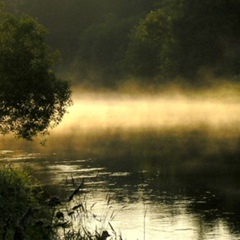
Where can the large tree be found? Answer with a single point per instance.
(189, 36)
(32, 98)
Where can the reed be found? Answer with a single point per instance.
(20, 205)
(29, 213)
(75, 220)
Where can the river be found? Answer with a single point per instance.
(170, 164)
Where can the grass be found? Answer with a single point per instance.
(21, 206)
(28, 213)
(77, 220)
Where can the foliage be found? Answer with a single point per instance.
(20, 205)
(104, 41)
(102, 47)
(92, 35)
(148, 44)
(68, 20)
(76, 220)
(27, 211)
(193, 35)
(205, 34)
(32, 98)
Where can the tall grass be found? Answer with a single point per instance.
(28, 213)
(21, 206)
(75, 219)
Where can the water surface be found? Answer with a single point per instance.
(170, 164)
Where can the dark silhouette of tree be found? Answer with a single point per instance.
(104, 42)
(32, 98)
(191, 37)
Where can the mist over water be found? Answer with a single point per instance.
(171, 156)
(218, 108)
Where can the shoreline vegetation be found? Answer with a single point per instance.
(105, 42)
(28, 212)
(126, 46)
(194, 161)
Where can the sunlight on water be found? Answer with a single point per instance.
(161, 204)
(162, 222)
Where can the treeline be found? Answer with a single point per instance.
(106, 41)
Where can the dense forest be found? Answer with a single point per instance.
(105, 42)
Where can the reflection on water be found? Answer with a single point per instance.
(172, 173)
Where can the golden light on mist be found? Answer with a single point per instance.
(101, 111)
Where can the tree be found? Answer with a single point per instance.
(192, 35)
(102, 47)
(206, 34)
(149, 45)
(32, 98)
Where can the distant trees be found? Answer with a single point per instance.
(32, 98)
(92, 35)
(103, 45)
(150, 44)
(102, 48)
(188, 36)
(152, 40)
(207, 33)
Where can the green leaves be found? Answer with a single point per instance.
(32, 98)
(191, 36)
(151, 44)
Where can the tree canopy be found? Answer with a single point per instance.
(190, 35)
(32, 98)
(104, 42)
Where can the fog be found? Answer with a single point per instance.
(184, 142)
(97, 118)
(215, 108)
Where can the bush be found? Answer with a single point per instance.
(21, 205)
(27, 212)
